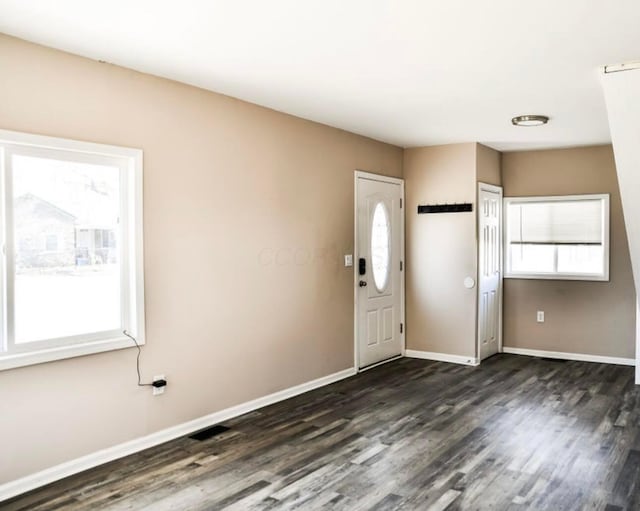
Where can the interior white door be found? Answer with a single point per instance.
(378, 269)
(489, 269)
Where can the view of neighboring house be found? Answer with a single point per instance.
(48, 236)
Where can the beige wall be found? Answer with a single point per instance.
(488, 164)
(247, 215)
(441, 250)
(596, 318)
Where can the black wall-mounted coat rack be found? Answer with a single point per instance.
(445, 208)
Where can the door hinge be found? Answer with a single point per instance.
(400, 203)
(400, 265)
(401, 328)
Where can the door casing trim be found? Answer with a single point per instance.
(360, 174)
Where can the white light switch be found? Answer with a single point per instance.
(540, 316)
(348, 260)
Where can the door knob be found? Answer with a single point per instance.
(362, 283)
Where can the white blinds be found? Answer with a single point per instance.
(557, 222)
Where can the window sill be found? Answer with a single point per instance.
(13, 360)
(534, 276)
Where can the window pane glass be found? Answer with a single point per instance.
(580, 259)
(380, 249)
(67, 267)
(532, 258)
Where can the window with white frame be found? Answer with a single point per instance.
(564, 237)
(71, 227)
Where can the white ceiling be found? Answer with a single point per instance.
(409, 72)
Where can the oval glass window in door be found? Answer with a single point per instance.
(380, 245)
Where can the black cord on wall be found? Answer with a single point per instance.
(138, 360)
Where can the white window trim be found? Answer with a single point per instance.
(132, 252)
(558, 276)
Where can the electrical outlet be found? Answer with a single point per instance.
(159, 390)
(540, 317)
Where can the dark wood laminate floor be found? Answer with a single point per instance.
(515, 433)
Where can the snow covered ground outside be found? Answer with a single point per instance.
(67, 302)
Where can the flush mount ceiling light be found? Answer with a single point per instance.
(530, 120)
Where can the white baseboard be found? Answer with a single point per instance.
(49, 475)
(442, 357)
(581, 357)
(638, 341)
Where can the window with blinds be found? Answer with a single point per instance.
(557, 237)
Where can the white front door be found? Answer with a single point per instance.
(489, 269)
(378, 268)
